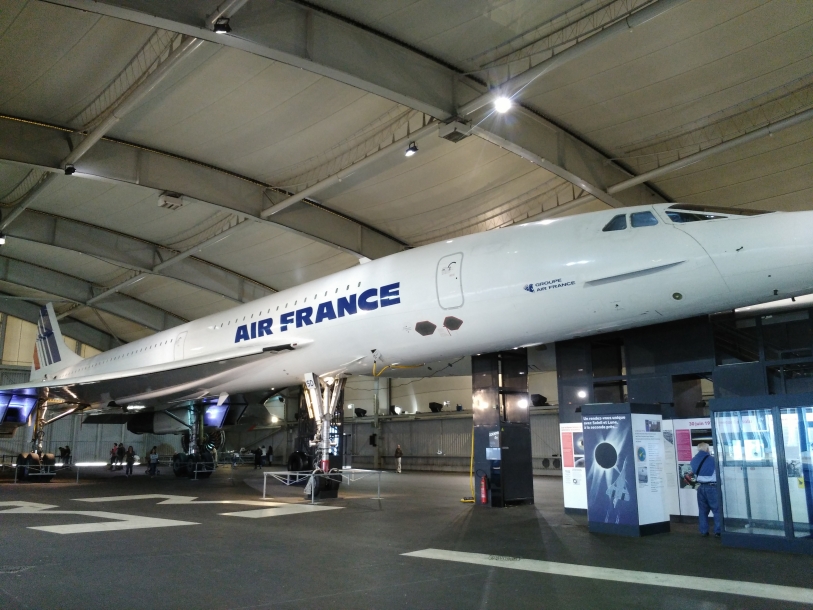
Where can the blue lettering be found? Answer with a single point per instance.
(242, 334)
(390, 294)
(303, 316)
(286, 319)
(325, 312)
(364, 299)
(253, 330)
(264, 327)
(346, 305)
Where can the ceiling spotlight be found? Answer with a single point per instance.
(2, 240)
(69, 169)
(274, 419)
(221, 26)
(411, 150)
(502, 104)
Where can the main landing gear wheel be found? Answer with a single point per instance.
(32, 467)
(201, 465)
(299, 461)
(180, 465)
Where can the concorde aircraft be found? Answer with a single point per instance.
(537, 282)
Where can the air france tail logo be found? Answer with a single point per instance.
(529, 287)
(46, 342)
(368, 300)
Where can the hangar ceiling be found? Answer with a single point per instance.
(285, 138)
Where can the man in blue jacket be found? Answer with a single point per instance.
(707, 499)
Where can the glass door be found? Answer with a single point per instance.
(797, 429)
(750, 483)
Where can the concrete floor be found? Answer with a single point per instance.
(348, 558)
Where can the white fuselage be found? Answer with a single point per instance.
(540, 282)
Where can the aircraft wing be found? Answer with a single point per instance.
(151, 386)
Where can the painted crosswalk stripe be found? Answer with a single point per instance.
(714, 585)
(278, 511)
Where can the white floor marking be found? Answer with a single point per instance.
(282, 509)
(270, 509)
(168, 499)
(714, 585)
(119, 521)
(25, 507)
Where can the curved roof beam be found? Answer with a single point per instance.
(45, 146)
(84, 333)
(298, 34)
(136, 254)
(81, 291)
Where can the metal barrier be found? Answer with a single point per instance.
(348, 474)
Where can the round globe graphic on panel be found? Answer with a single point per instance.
(606, 455)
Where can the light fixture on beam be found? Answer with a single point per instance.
(2, 240)
(221, 26)
(411, 149)
(69, 169)
(503, 104)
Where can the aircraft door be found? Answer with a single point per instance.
(449, 281)
(179, 342)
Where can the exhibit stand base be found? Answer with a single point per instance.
(633, 531)
(575, 511)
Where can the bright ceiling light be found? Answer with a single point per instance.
(2, 240)
(502, 104)
(274, 419)
(581, 394)
(411, 149)
(221, 26)
(135, 407)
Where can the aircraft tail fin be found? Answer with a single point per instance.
(51, 354)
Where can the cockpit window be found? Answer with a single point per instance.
(711, 209)
(643, 219)
(687, 217)
(618, 223)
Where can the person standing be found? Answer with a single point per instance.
(129, 457)
(114, 453)
(258, 458)
(121, 452)
(214, 457)
(153, 461)
(707, 499)
(398, 455)
(269, 455)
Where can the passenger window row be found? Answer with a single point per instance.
(130, 353)
(305, 300)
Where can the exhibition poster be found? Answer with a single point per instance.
(572, 442)
(688, 434)
(647, 439)
(611, 489)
